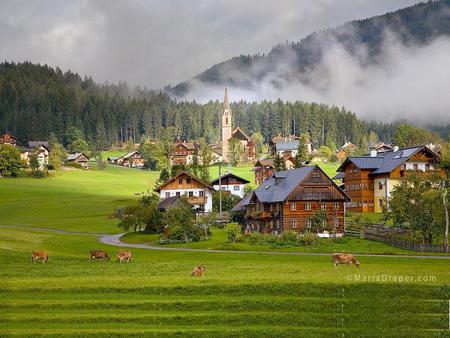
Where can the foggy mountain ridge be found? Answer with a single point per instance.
(389, 67)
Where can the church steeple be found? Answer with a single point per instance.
(226, 104)
(226, 125)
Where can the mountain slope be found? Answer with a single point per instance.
(363, 40)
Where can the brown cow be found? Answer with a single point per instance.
(39, 254)
(341, 258)
(99, 254)
(123, 255)
(198, 271)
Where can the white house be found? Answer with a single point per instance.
(232, 183)
(198, 193)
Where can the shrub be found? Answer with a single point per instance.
(308, 239)
(255, 237)
(271, 238)
(38, 174)
(289, 237)
(233, 231)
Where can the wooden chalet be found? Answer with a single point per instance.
(347, 149)
(232, 183)
(369, 179)
(8, 138)
(184, 153)
(198, 193)
(263, 170)
(287, 200)
(79, 158)
(131, 160)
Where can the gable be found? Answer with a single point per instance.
(184, 181)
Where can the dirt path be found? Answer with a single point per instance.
(114, 239)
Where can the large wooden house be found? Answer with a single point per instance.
(8, 138)
(183, 153)
(232, 183)
(369, 179)
(198, 193)
(288, 199)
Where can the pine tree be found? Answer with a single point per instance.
(278, 163)
(302, 151)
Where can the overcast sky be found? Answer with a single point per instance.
(154, 43)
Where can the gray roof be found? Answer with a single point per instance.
(278, 187)
(385, 162)
(287, 145)
(243, 202)
(338, 176)
(34, 144)
(72, 157)
(242, 180)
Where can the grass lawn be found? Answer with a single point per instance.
(244, 295)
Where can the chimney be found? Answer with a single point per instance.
(395, 148)
(373, 153)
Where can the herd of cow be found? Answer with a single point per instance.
(123, 255)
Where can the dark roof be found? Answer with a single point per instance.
(339, 176)
(10, 134)
(187, 174)
(243, 202)
(240, 135)
(384, 162)
(34, 144)
(169, 202)
(243, 180)
(264, 163)
(287, 145)
(112, 158)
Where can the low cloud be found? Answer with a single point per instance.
(407, 83)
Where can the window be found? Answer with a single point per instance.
(293, 206)
(380, 202)
(335, 205)
(380, 185)
(336, 222)
(201, 193)
(188, 180)
(180, 181)
(167, 194)
(191, 193)
(415, 166)
(308, 223)
(307, 206)
(178, 194)
(236, 188)
(323, 206)
(293, 223)
(226, 121)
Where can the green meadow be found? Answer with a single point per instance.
(250, 294)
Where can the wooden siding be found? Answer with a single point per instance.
(359, 187)
(184, 185)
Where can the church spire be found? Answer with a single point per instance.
(226, 104)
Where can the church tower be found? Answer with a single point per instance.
(226, 125)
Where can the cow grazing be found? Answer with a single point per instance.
(39, 254)
(99, 254)
(198, 271)
(340, 258)
(123, 255)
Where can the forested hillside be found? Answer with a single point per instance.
(37, 100)
(413, 26)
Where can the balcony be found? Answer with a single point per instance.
(199, 200)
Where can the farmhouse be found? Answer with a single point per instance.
(288, 199)
(232, 183)
(42, 149)
(79, 158)
(133, 160)
(347, 149)
(198, 193)
(8, 138)
(184, 153)
(369, 179)
(286, 146)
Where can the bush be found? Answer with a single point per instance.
(255, 237)
(271, 238)
(289, 237)
(38, 174)
(233, 231)
(74, 165)
(308, 239)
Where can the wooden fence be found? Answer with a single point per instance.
(388, 235)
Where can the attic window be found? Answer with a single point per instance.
(267, 187)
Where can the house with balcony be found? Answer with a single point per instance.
(288, 199)
(370, 179)
(198, 193)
